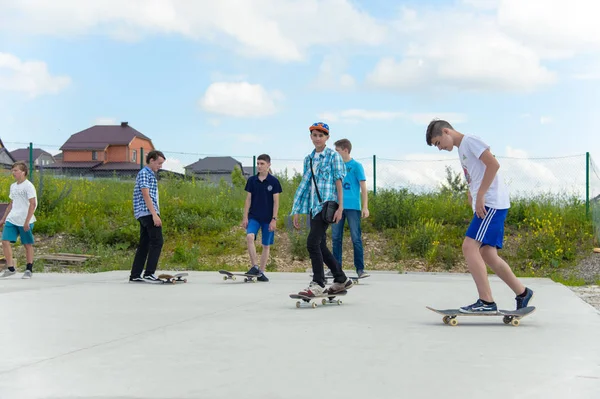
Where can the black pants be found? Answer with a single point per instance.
(316, 243)
(149, 248)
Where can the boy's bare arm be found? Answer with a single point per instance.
(491, 168)
(246, 210)
(32, 205)
(364, 196)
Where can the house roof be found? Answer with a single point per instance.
(214, 165)
(22, 154)
(72, 165)
(118, 166)
(99, 137)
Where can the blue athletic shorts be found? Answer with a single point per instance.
(490, 229)
(268, 237)
(11, 232)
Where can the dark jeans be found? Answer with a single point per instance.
(316, 243)
(149, 248)
(337, 234)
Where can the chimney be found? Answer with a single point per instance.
(124, 124)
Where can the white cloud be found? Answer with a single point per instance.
(29, 77)
(282, 30)
(544, 120)
(332, 74)
(105, 121)
(239, 99)
(555, 29)
(357, 115)
(248, 138)
(174, 165)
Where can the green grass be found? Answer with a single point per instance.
(544, 235)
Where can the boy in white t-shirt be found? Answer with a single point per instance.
(489, 199)
(19, 218)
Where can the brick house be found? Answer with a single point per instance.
(104, 150)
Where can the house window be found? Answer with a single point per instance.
(94, 156)
(134, 156)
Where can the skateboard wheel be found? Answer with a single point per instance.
(185, 280)
(506, 319)
(225, 278)
(446, 319)
(515, 322)
(339, 302)
(233, 278)
(324, 301)
(314, 305)
(298, 304)
(453, 322)
(245, 280)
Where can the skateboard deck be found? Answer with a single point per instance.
(324, 299)
(248, 278)
(512, 317)
(173, 278)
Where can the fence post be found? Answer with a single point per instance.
(141, 157)
(31, 170)
(587, 183)
(253, 164)
(374, 175)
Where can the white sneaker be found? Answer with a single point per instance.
(151, 278)
(313, 290)
(28, 274)
(7, 273)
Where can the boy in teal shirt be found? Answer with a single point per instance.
(355, 207)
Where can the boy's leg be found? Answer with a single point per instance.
(477, 268)
(501, 268)
(9, 235)
(264, 257)
(27, 240)
(251, 232)
(141, 253)
(313, 245)
(155, 245)
(356, 235)
(337, 236)
(8, 255)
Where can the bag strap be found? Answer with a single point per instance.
(314, 180)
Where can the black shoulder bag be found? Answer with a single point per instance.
(329, 207)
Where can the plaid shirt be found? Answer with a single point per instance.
(330, 168)
(145, 179)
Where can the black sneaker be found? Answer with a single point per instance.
(479, 307)
(254, 271)
(522, 302)
(151, 278)
(262, 277)
(136, 280)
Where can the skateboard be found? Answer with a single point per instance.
(512, 317)
(173, 278)
(354, 279)
(325, 299)
(248, 278)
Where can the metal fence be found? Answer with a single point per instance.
(570, 176)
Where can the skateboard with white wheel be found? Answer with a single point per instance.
(512, 317)
(173, 278)
(324, 299)
(248, 278)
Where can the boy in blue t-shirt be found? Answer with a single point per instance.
(260, 212)
(356, 206)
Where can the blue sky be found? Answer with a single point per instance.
(246, 77)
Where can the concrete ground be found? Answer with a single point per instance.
(97, 336)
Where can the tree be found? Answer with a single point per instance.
(454, 184)
(237, 177)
